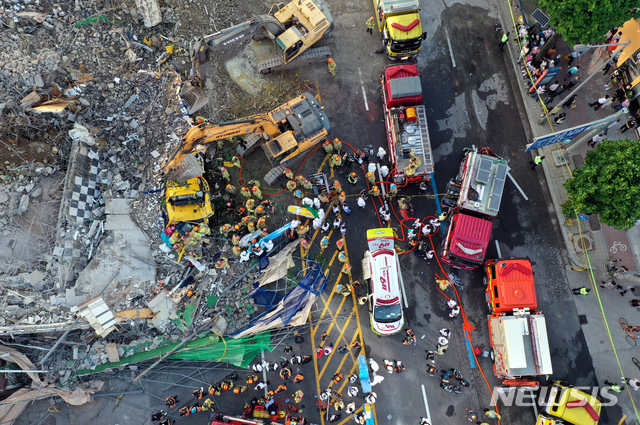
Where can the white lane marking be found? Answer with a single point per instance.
(498, 249)
(364, 94)
(450, 48)
(426, 404)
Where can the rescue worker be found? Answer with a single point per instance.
(250, 205)
(431, 370)
(403, 203)
(240, 389)
(353, 178)
(336, 161)
(337, 145)
(226, 385)
(307, 184)
(231, 189)
(285, 373)
(170, 402)
(332, 67)
(503, 40)
(299, 378)
(302, 229)
(281, 388)
(342, 197)
(288, 173)
(328, 147)
(184, 411)
(262, 221)
(346, 269)
(442, 217)
(298, 396)
(393, 191)
(324, 243)
(245, 192)
(235, 240)
(251, 227)
(536, 161)
(225, 174)
(370, 24)
(305, 244)
(339, 244)
(337, 378)
(208, 404)
(614, 387)
(371, 177)
(337, 186)
(298, 194)
(196, 408)
(256, 192)
(374, 191)
(291, 185)
(236, 161)
(197, 394)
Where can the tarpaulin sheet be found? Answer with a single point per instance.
(11, 408)
(294, 308)
(279, 264)
(239, 352)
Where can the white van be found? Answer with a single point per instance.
(382, 269)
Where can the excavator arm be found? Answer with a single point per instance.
(206, 133)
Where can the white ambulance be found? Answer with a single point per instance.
(382, 270)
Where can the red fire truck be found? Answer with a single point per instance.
(518, 332)
(405, 119)
(473, 200)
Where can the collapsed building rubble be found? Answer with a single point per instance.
(94, 102)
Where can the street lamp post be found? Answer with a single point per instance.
(582, 48)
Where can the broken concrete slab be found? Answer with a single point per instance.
(34, 277)
(150, 11)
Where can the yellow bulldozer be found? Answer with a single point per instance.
(284, 134)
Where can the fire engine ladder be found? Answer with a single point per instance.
(426, 142)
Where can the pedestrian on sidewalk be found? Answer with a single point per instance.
(601, 102)
(627, 126)
(581, 291)
(633, 383)
(571, 72)
(572, 56)
(560, 118)
(503, 40)
(536, 161)
(573, 83)
(553, 87)
(612, 126)
(595, 140)
(625, 104)
(573, 102)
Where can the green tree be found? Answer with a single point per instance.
(609, 183)
(585, 21)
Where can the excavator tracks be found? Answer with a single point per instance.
(309, 57)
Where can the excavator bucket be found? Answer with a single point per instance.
(193, 97)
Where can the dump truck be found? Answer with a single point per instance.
(473, 199)
(518, 332)
(284, 134)
(405, 120)
(566, 404)
(294, 28)
(400, 26)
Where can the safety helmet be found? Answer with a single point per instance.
(190, 293)
(369, 173)
(222, 169)
(393, 186)
(354, 174)
(343, 194)
(326, 142)
(330, 60)
(255, 189)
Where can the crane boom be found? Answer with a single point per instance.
(206, 133)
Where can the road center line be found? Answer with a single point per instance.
(364, 94)
(426, 404)
(450, 48)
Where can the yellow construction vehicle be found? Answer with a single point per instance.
(188, 201)
(284, 134)
(294, 28)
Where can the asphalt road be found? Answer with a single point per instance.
(469, 103)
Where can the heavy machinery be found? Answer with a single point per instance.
(473, 198)
(294, 28)
(405, 120)
(400, 26)
(284, 133)
(189, 201)
(568, 405)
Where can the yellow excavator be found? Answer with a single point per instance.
(284, 133)
(294, 28)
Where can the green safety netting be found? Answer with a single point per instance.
(239, 352)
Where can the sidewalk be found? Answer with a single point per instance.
(601, 241)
